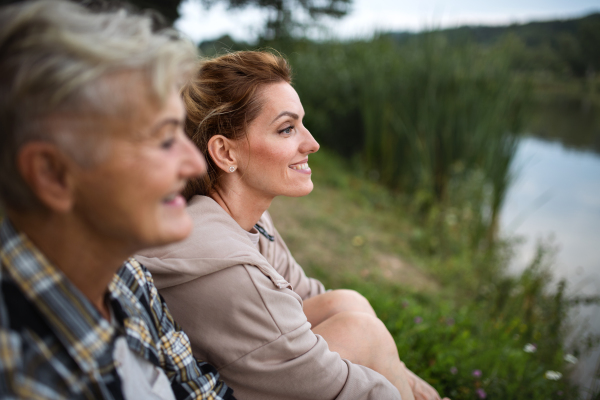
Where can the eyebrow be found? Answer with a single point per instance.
(284, 114)
(169, 121)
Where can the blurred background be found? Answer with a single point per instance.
(458, 184)
(466, 140)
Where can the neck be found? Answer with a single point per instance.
(89, 263)
(245, 208)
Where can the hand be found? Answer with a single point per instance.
(421, 389)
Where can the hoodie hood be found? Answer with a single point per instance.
(216, 242)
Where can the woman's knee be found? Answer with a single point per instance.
(320, 308)
(371, 329)
(360, 337)
(346, 300)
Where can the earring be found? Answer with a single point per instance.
(231, 169)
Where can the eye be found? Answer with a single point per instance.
(288, 130)
(168, 143)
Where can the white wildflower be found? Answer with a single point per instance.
(552, 375)
(570, 358)
(529, 348)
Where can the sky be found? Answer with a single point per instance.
(368, 16)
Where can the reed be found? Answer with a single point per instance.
(421, 116)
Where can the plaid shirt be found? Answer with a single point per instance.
(55, 345)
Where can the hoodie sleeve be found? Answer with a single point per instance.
(260, 341)
(279, 256)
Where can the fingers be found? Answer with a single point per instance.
(424, 391)
(421, 389)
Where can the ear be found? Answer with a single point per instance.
(223, 151)
(47, 172)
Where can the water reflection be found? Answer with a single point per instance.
(557, 193)
(575, 122)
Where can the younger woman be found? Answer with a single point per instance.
(246, 304)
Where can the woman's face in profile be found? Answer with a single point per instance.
(274, 159)
(133, 194)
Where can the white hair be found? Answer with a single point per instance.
(58, 58)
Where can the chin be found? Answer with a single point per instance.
(299, 192)
(175, 232)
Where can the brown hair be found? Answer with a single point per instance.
(223, 98)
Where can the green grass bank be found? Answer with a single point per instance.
(459, 321)
(421, 131)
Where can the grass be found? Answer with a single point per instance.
(407, 214)
(459, 321)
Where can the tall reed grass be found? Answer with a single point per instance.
(421, 117)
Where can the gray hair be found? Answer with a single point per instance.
(59, 59)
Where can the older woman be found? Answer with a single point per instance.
(93, 157)
(247, 305)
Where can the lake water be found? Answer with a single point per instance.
(556, 196)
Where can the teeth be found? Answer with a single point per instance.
(299, 166)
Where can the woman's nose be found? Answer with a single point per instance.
(309, 145)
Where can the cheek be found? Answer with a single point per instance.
(148, 174)
(128, 193)
(271, 156)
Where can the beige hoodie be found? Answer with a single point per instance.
(243, 316)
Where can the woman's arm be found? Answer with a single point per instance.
(260, 341)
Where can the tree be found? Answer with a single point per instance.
(281, 21)
(163, 9)
(282, 13)
(167, 8)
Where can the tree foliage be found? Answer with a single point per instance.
(167, 8)
(559, 46)
(284, 14)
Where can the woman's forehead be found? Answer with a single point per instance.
(280, 97)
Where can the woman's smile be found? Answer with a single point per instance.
(301, 167)
(175, 200)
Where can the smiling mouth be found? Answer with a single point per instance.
(303, 166)
(175, 198)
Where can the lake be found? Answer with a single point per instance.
(556, 197)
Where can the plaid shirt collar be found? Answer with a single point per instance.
(70, 315)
